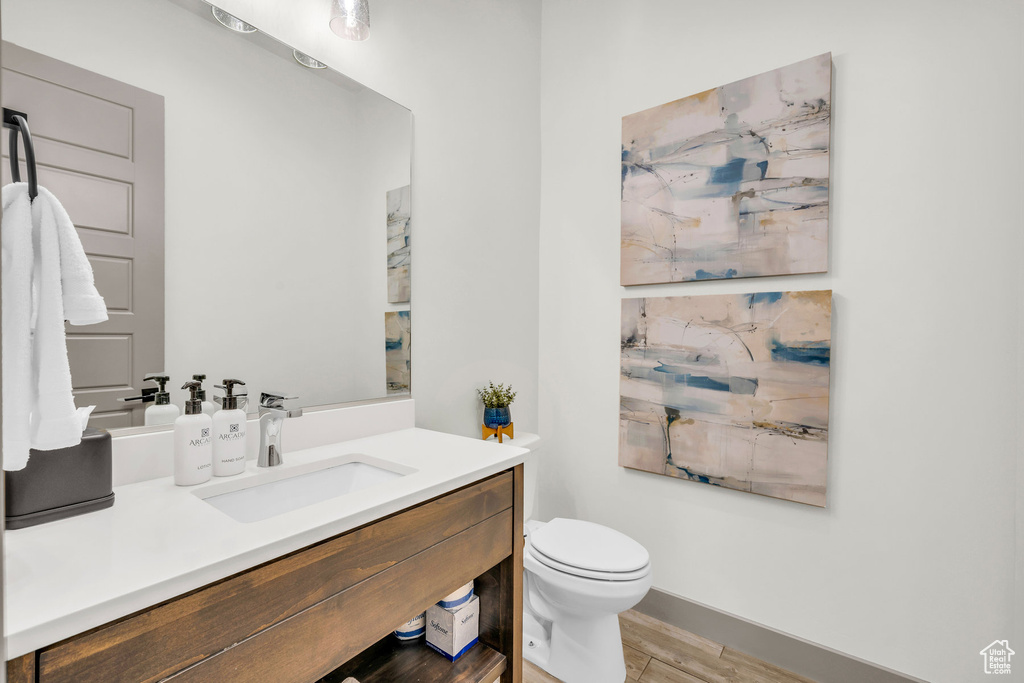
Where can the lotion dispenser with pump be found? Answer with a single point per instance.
(208, 408)
(193, 442)
(229, 432)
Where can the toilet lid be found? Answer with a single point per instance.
(543, 559)
(585, 545)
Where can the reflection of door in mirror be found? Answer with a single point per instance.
(100, 149)
(274, 261)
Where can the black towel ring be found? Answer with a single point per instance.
(18, 123)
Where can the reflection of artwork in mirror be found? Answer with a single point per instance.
(258, 251)
(399, 254)
(731, 182)
(398, 349)
(730, 390)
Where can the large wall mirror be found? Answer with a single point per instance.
(247, 215)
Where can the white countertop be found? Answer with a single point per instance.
(160, 540)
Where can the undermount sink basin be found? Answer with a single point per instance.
(274, 492)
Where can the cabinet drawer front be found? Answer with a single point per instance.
(154, 644)
(317, 641)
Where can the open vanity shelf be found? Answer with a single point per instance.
(300, 617)
(391, 660)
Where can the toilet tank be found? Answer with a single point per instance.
(530, 466)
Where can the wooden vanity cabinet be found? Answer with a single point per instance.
(300, 617)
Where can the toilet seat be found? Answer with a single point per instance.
(588, 550)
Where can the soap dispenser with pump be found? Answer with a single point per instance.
(208, 407)
(162, 412)
(229, 432)
(193, 442)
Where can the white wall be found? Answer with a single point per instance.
(275, 236)
(912, 564)
(469, 71)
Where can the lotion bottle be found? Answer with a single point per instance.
(229, 433)
(162, 412)
(193, 442)
(208, 408)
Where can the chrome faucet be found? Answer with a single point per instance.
(272, 414)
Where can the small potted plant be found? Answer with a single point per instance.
(496, 401)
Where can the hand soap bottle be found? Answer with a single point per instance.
(208, 408)
(229, 433)
(162, 412)
(193, 442)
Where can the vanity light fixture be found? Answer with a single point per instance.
(350, 19)
(307, 61)
(232, 22)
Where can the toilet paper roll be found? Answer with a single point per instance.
(412, 629)
(458, 598)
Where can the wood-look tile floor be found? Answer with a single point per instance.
(657, 652)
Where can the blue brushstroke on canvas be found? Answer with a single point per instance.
(735, 385)
(707, 275)
(693, 476)
(729, 174)
(395, 344)
(812, 353)
(764, 298)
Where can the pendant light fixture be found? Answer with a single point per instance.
(350, 19)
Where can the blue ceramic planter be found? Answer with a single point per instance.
(497, 417)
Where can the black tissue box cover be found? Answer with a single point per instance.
(62, 483)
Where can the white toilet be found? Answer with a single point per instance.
(578, 576)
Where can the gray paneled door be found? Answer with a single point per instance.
(100, 149)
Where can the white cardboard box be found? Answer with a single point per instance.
(453, 632)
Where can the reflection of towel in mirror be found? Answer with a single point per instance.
(47, 279)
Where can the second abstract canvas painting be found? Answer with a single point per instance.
(730, 390)
(398, 351)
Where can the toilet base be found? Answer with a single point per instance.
(576, 650)
(536, 641)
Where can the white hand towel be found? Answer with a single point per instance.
(38, 406)
(83, 305)
(16, 291)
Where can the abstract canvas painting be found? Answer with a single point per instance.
(731, 182)
(399, 253)
(730, 390)
(398, 351)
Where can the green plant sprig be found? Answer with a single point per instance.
(496, 396)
